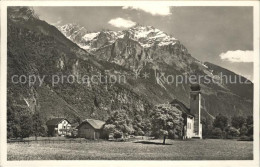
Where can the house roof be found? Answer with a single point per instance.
(55, 121)
(75, 124)
(178, 104)
(96, 124)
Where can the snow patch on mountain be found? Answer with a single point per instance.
(147, 36)
(90, 36)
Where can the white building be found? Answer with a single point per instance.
(58, 127)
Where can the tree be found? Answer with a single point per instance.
(221, 122)
(13, 117)
(122, 124)
(109, 128)
(118, 134)
(238, 121)
(166, 119)
(250, 131)
(25, 124)
(243, 130)
(13, 127)
(233, 132)
(38, 125)
(140, 125)
(206, 128)
(249, 120)
(250, 125)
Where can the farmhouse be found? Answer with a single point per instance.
(192, 116)
(58, 127)
(91, 129)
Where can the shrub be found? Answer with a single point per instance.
(221, 122)
(243, 130)
(246, 138)
(118, 134)
(232, 132)
(139, 133)
(238, 121)
(216, 133)
(251, 137)
(117, 122)
(250, 131)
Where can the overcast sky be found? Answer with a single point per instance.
(220, 35)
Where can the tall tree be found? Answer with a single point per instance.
(120, 122)
(206, 127)
(250, 125)
(249, 120)
(243, 130)
(238, 121)
(233, 132)
(25, 124)
(38, 125)
(220, 121)
(13, 128)
(38, 128)
(166, 119)
(140, 125)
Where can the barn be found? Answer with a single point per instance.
(58, 127)
(91, 129)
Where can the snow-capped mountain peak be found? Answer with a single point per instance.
(72, 28)
(147, 36)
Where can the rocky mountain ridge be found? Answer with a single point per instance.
(145, 48)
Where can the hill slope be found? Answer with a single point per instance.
(37, 48)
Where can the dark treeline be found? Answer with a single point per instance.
(164, 121)
(222, 128)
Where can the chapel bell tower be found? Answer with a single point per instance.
(195, 109)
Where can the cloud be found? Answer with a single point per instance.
(154, 10)
(238, 56)
(121, 23)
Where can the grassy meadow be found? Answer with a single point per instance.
(211, 149)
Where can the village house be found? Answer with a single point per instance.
(91, 129)
(58, 127)
(192, 116)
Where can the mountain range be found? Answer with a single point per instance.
(36, 47)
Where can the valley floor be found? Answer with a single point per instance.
(208, 149)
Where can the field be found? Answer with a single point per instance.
(209, 149)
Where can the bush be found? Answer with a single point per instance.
(250, 131)
(139, 133)
(216, 133)
(232, 132)
(246, 138)
(238, 121)
(243, 130)
(221, 122)
(118, 134)
(119, 124)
